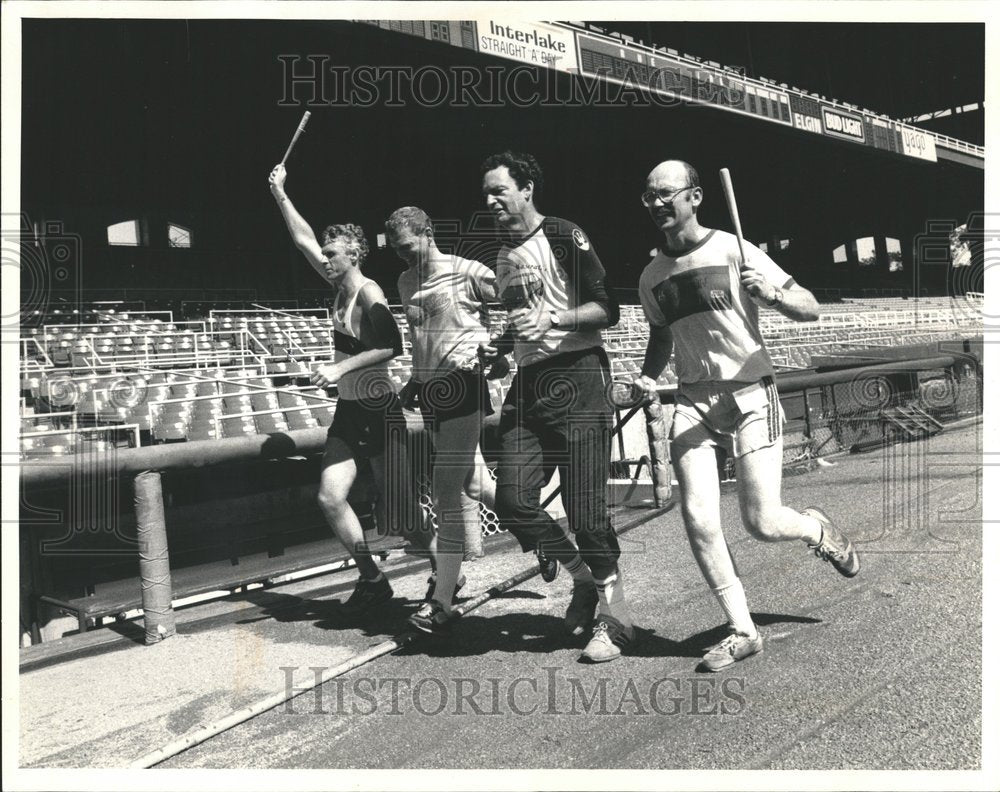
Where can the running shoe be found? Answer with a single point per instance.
(610, 637)
(833, 545)
(548, 566)
(730, 649)
(432, 619)
(367, 594)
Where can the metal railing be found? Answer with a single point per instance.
(133, 429)
(836, 427)
(324, 313)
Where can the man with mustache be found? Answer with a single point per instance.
(702, 307)
(557, 413)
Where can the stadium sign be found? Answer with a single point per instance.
(807, 122)
(619, 60)
(917, 143)
(672, 76)
(843, 125)
(536, 43)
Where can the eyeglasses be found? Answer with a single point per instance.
(665, 196)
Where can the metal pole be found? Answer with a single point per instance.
(615, 430)
(805, 407)
(154, 559)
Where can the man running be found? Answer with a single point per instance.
(557, 413)
(366, 338)
(702, 308)
(445, 301)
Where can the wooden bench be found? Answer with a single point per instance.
(119, 596)
(227, 528)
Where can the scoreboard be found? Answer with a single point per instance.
(673, 76)
(619, 60)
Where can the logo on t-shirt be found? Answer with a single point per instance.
(427, 306)
(414, 315)
(521, 294)
(580, 240)
(694, 291)
(719, 299)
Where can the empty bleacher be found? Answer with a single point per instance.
(102, 380)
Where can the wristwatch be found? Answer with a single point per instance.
(553, 318)
(779, 297)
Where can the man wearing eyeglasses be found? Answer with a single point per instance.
(702, 307)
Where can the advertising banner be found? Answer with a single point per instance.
(535, 43)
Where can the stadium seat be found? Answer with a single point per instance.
(139, 416)
(112, 413)
(323, 415)
(238, 427)
(263, 401)
(183, 390)
(169, 432)
(202, 431)
(236, 404)
(233, 388)
(288, 399)
(268, 424)
(300, 419)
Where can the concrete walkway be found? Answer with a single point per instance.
(879, 672)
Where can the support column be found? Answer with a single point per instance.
(154, 558)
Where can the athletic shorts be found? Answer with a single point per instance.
(736, 416)
(363, 424)
(458, 394)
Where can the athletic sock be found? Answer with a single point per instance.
(733, 600)
(611, 598)
(449, 567)
(461, 579)
(580, 571)
(367, 567)
(473, 528)
(806, 538)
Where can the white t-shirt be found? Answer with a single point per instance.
(553, 268)
(712, 318)
(447, 316)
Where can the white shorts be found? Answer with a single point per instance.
(734, 415)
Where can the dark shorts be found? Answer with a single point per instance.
(364, 424)
(458, 394)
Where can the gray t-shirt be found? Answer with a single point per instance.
(447, 316)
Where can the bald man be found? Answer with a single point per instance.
(703, 309)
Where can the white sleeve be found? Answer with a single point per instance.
(764, 264)
(650, 306)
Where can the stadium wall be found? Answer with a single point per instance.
(191, 135)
